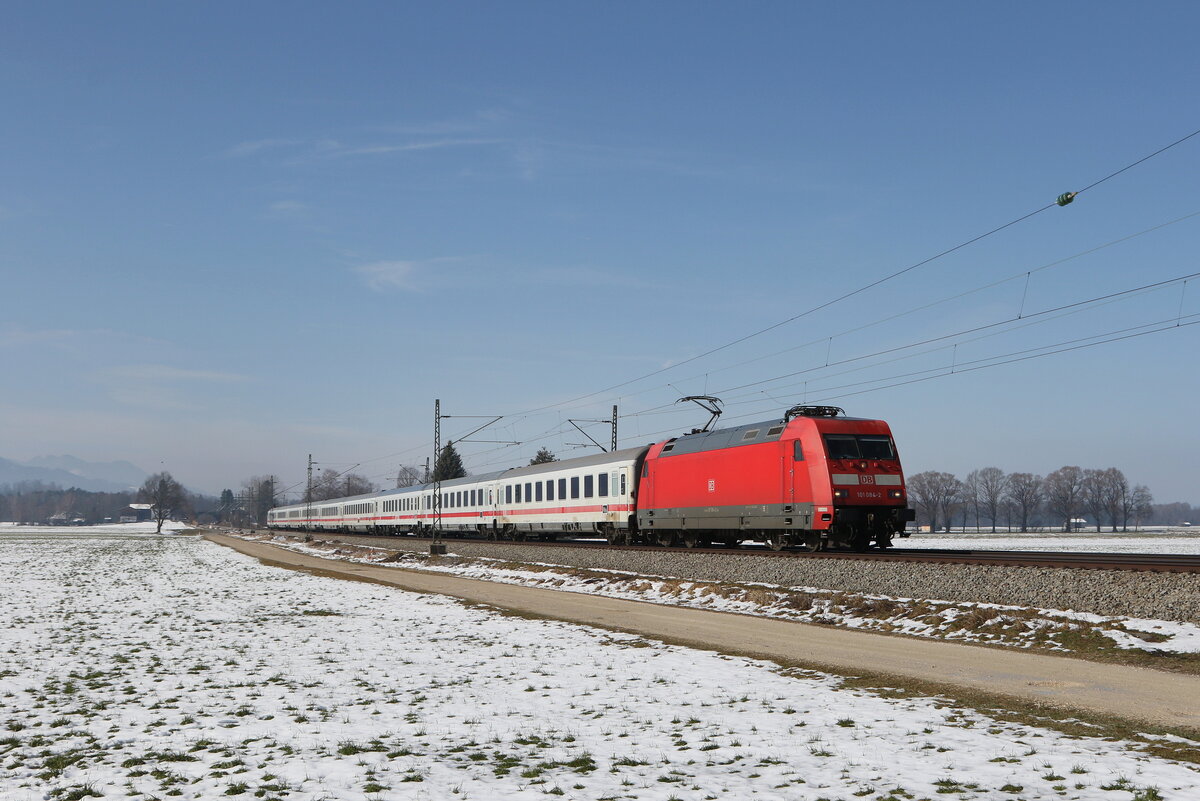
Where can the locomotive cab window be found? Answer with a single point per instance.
(876, 447)
(862, 446)
(797, 451)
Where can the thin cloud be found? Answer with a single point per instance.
(409, 147)
(406, 276)
(15, 336)
(381, 276)
(283, 209)
(251, 148)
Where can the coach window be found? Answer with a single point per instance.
(538, 490)
(508, 493)
(602, 490)
(574, 486)
(517, 496)
(622, 483)
(562, 489)
(588, 482)
(528, 492)
(798, 450)
(550, 490)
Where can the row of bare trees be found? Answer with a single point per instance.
(1025, 500)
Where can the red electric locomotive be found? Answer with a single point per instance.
(815, 479)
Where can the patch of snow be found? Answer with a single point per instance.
(173, 667)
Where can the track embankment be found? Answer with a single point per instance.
(1111, 691)
(1115, 593)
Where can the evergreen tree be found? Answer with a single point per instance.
(544, 455)
(449, 464)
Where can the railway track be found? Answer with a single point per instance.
(1157, 563)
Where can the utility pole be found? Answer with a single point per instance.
(614, 431)
(612, 422)
(308, 494)
(438, 546)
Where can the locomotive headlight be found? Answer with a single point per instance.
(840, 493)
(896, 493)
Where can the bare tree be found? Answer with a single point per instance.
(1064, 488)
(1115, 489)
(994, 482)
(1143, 504)
(258, 498)
(165, 496)
(1124, 495)
(408, 476)
(984, 489)
(354, 484)
(934, 494)
(1092, 495)
(332, 484)
(1024, 492)
(952, 500)
(971, 496)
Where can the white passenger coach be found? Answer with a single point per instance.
(589, 494)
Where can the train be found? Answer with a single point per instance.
(814, 479)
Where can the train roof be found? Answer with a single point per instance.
(625, 454)
(591, 460)
(749, 434)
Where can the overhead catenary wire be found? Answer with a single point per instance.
(943, 337)
(994, 361)
(1026, 274)
(826, 304)
(872, 284)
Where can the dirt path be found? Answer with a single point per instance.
(1136, 694)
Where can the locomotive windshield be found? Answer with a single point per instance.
(859, 446)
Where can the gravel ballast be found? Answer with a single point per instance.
(1163, 596)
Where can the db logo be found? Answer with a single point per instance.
(866, 479)
(712, 485)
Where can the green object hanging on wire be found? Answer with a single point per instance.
(1066, 197)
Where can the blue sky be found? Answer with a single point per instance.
(235, 234)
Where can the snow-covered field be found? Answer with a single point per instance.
(157, 667)
(145, 528)
(1176, 540)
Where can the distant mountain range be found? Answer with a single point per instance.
(70, 471)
